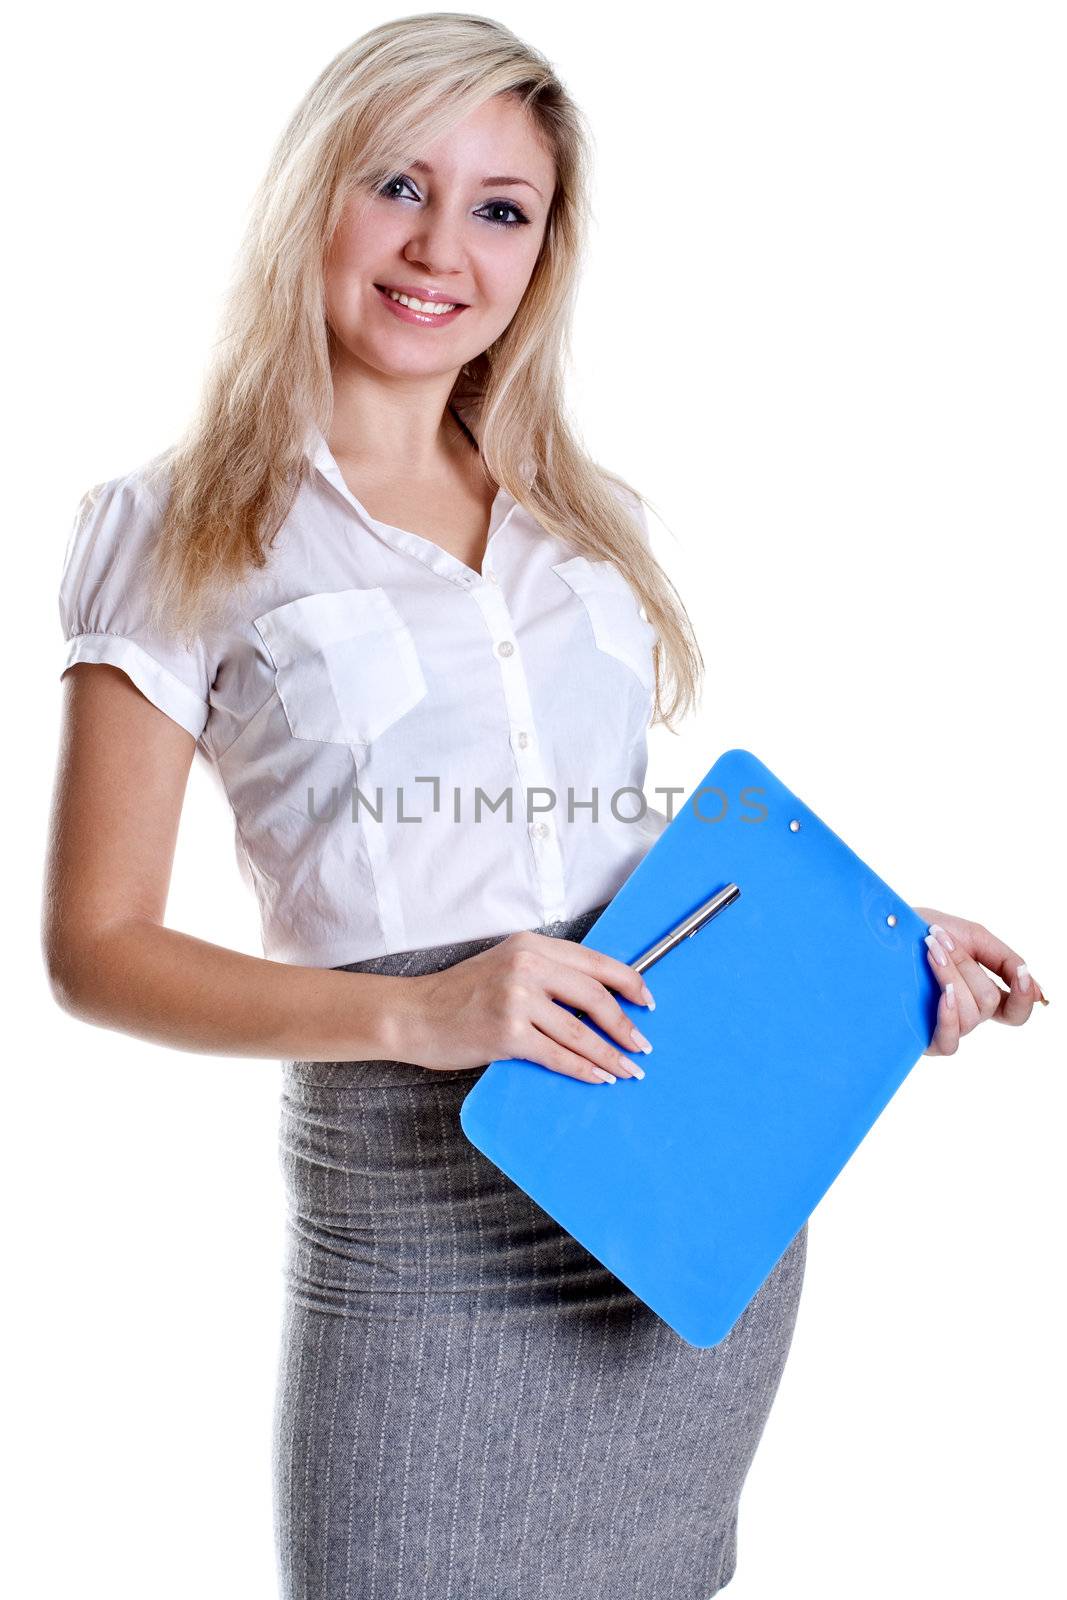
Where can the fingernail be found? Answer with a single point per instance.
(639, 1039)
(647, 997)
(931, 943)
(949, 944)
(950, 995)
(1023, 975)
(605, 1077)
(637, 1071)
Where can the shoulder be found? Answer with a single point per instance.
(119, 515)
(134, 492)
(105, 600)
(106, 566)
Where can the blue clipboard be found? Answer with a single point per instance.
(782, 1029)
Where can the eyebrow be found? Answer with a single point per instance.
(424, 166)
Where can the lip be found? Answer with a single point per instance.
(424, 319)
(421, 294)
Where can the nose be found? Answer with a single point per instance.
(435, 246)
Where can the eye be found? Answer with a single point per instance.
(517, 220)
(392, 182)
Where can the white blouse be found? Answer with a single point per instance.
(411, 750)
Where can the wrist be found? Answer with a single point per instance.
(401, 1020)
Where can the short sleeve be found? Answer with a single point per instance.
(103, 603)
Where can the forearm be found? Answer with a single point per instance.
(159, 984)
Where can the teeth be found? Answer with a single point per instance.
(436, 308)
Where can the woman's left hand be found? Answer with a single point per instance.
(969, 995)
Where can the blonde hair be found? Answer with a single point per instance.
(232, 478)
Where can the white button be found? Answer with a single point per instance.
(505, 648)
(539, 829)
(523, 740)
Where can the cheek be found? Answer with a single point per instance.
(340, 298)
(360, 242)
(346, 258)
(506, 277)
(347, 272)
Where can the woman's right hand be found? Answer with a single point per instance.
(501, 1003)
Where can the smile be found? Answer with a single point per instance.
(409, 308)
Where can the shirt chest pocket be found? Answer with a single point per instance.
(345, 664)
(618, 626)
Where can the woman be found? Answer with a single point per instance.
(379, 586)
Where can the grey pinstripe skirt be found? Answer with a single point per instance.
(468, 1404)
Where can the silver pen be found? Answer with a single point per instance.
(687, 927)
(683, 930)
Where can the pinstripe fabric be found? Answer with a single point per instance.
(468, 1405)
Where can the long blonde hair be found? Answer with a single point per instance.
(232, 478)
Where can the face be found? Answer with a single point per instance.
(439, 227)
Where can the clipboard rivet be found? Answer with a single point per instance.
(891, 919)
(794, 826)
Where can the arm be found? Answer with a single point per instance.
(121, 779)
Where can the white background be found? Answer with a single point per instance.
(823, 330)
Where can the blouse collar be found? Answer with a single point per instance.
(413, 544)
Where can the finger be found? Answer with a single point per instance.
(943, 966)
(607, 970)
(978, 996)
(1018, 1000)
(1029, 984)
(546, 1051)
(560, 1038)
(590, 998)
(998, 957)
(946, 1039)
(582, 1041)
